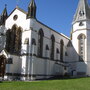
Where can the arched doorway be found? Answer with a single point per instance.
(2, 65)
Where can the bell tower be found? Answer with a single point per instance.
(81, 37)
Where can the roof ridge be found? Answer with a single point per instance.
(21, 9)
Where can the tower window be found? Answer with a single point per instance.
(81, 39)
(81, 24)
(81, 13)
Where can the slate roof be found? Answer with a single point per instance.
(82, 12)
(32, 4)
(3, 16)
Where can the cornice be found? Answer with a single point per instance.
(80, 30)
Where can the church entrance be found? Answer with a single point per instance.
(2, 65)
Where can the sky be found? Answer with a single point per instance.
(57, 14)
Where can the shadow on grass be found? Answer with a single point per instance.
(62, 78)
(5, 82)
(52, 78)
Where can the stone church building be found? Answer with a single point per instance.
(30, 50)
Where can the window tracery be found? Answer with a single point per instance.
(52, 47)
(13, 40)
(40, 43)
(81, 42)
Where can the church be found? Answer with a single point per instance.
(30, 50)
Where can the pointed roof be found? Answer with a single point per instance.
(82, 12)
(3, 16)
(4, 13)
(32, 10)
(32, 4)
(69, 44)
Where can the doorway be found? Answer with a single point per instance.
(2, 65)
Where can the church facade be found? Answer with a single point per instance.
(30, 50)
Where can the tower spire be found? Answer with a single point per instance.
(82, 12)
(31, 10)
(3, 16)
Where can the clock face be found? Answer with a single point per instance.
(81, 13)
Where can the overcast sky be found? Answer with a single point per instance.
(57, 14)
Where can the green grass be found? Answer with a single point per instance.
(65, 84)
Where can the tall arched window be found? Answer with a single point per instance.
(81, 42)
(13, 40)
(40, 43)
(18, 40)
(8, 38)
(13, 36)
(52, 46)
(61, 50)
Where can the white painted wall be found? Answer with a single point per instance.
(15, 67)
(77, 30)
(27, 64)
(21, 20)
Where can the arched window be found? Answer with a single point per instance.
(13, 36)
(33, 41)
(61, 50)
(13, 40)
(18, 40)
(40, 43)
(47, 48)
(33, 46)
(52, 46)
(8, 38)
(47, 51)
(26, 41)
(81, 39)
(57, 54)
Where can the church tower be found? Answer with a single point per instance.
(81, 37)
(31, 10)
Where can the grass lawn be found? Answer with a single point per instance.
(65, 84)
